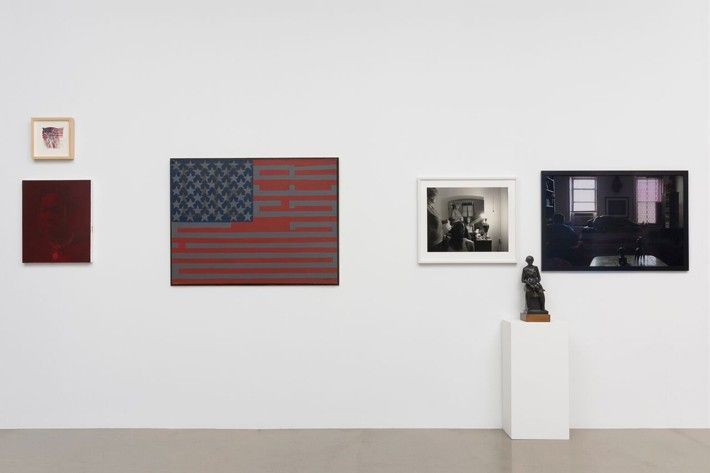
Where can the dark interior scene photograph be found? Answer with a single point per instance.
(614, 221)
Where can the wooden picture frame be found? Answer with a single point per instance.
(52, 138)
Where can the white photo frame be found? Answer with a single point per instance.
(499, 246)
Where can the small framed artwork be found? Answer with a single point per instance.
(53, 138)
(56, 221)
(617, 206)
(466, 220)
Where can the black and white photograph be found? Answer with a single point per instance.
(614, 220)
(467, 220)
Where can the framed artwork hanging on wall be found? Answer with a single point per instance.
(466, 220)
(614, 221)
(53, 138)
(254, 221)
(56, 221)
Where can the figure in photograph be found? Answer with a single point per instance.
(562, 240)
(436, 234)
(455, 213)
(458, 240)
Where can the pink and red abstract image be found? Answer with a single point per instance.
(52, 136)
(56, 221)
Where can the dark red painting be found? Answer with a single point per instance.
(56, 221)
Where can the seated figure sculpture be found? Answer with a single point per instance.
(534, 292)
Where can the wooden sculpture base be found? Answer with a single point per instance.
(534, 317)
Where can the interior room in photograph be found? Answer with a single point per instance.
(466, 220)
(265, 221)
(53, 138)
(614, 220)
(56, 221)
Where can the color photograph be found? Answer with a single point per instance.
(614, 220)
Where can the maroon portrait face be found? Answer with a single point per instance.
(52, 213)
(56, 221)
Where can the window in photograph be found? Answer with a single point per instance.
(584, 194)
(649, 192)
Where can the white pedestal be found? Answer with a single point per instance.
(535, 377)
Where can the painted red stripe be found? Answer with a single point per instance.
(274, 208)
(316, 172)
(294, 239)
(249, 260)
(274, 224)
(295, 197)
(283, 185)
(314, 229)
(256, 270)
(294, 181)
(212, 281)
(261, 224)
(296, 162)
(315, 208)
(266, 223)
(308, 219)
(187, 231)
(274, 186)
(273, 172)
(315, 185)
(256, 251)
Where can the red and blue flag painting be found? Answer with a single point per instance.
(267, 221)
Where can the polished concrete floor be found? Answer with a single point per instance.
(345, 451)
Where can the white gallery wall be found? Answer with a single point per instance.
(398, 90)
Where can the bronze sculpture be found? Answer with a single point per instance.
(534, 292)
